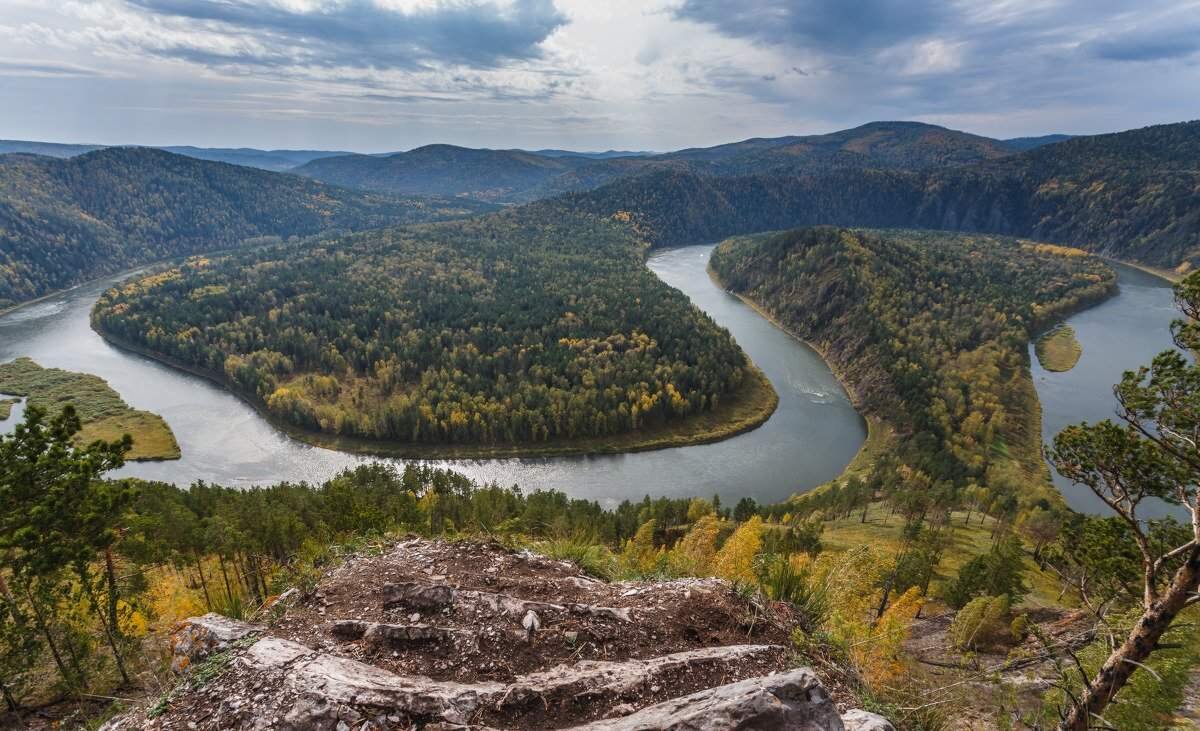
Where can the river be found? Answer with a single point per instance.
(809, 439)
(1120, 334)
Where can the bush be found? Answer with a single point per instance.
(735, 560)
(982, 624)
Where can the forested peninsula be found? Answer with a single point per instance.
(512, 332)
(930, 331)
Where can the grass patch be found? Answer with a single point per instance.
(102, 411)
(6, 405)
(1058, 350)
(969, 540)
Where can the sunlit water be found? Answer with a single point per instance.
(810, 438)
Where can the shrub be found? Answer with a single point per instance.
(982, 624)
(735, 560)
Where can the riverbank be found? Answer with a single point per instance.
(1170, 275)
(880, 433)
(747, 409)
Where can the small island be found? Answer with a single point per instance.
(1058, 350)
(103, 413)
(6, 405)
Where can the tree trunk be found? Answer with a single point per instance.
(203, 582)
(1142, 641)
(109, 632)
(40, 621)
(225, 577)
(110, 571)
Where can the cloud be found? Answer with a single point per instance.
(45, 69)
(356, 33)
(827, 26)
(1148, 44)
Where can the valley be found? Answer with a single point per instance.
(574, 376)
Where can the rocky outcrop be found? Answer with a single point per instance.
(440, 636)
(791, 701)
(200, 637)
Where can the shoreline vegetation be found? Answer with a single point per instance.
(6, 405)
(755, 403)
(104, 415)
(1018, 442)
(1057, 350)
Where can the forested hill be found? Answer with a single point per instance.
(929, 330)
(63, 221)
(515, 176)
(1132, 195)
(882, 145)
(444, 170)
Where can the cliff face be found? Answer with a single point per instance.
(444, 635)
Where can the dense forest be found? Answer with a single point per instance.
(513, 328)
(65, 221)
(1130, 195)
(929, 329)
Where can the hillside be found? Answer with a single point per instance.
(64, 221)
(1130, 195)
(879, 145)
(1028, 143)
(515, 176)
(444, 170)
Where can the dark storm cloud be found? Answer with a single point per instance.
(361, 34)
(829, 26)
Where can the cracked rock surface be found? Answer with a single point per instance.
(438, 635)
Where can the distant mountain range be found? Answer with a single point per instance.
(275, 160)
(516, 176)
(1132, 195)
(63, 221)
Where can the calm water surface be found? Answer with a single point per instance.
(1120, 334)
(809, 440)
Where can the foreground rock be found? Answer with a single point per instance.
(793, 700)
(440, 636)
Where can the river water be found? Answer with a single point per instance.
(810, 438)
(1120, 334)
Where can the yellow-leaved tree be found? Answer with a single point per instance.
(696, 551)
(735, 560)
(640, 557)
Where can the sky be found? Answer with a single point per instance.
(381, 75)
